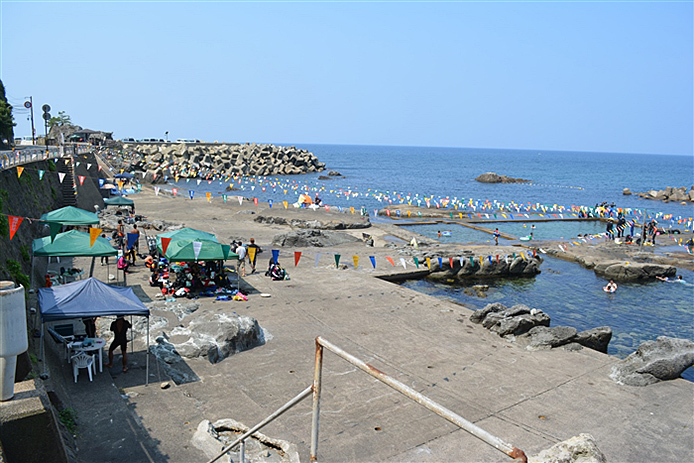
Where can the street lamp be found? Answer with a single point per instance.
(167, 135)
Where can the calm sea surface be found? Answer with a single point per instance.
(378, 175)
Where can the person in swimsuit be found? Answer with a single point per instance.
(120, 339)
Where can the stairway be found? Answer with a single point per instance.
(67, 188)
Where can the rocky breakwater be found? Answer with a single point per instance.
(491, 177)
(681, 195)
(530, 328)
(211, 161)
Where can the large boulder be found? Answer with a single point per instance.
(506, 321)
(544, 337)
(216, 336)
(660, 360)
(632, 271)
(595, 338)
(578, 449)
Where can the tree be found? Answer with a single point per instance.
(6, 120)
(61, 119)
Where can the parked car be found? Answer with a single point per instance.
(188, 140)
(128, 140)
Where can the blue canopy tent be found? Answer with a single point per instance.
(90, 298)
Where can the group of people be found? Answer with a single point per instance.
(249, 253)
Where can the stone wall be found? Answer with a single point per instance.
(207, 161)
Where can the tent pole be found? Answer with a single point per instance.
(31, 285)
(147, 355)
(91, 268)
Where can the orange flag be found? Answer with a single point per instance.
(390, 259)
(209, 197)
(14, 224)
(20, 169)
(297, 256)
(93, 235)
(165, 245)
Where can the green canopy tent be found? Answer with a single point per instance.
(188, 234)
(70, 215)
(119, 201)
(184, 251)
(72, 243)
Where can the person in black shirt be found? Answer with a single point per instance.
(120, 339)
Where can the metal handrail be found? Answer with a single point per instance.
(13, 158)
(407, 391)
(421, 399)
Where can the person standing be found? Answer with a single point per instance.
(120, 339)
(496, 236)
(253, 256)
(241, 267)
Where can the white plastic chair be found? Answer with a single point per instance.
(82, 360)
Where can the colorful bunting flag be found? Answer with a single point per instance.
(337, 261)
(317, 258)
(356, 261)
(297, 256)
(390, 259)
(275, 255)
(197, 246)
(93, 235)
(165, 245)
(61, 176)
(81, 177)
(14, 224)
(54, 229)
(41, 172)
(373, 261)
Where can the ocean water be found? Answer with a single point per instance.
(374, 176)
(377, 175)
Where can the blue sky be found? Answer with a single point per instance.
(591, 76)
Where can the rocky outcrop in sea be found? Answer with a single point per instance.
(654, 361)
(470, 266)
(211, 161)
(682, 194)
(491, 177)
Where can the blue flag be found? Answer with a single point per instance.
(132, 239)
(373, 261)
(275, 255)
(191, 193)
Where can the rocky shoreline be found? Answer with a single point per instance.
(161, 161)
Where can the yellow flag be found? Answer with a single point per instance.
(20, 169)
(209, 197)
(120, 185)
(356, 261)
(429, 262)
(121, 171)
(481, 260)
(460, 214)
(286, 204)
(93, 235)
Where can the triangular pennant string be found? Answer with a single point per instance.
(297, 256)
(373, 261)
(197, 246)
(165, 244)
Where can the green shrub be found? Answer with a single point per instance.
(68, 417)
(15, 271)
(24, 251)
(51, 165)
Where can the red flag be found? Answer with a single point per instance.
(174, 191)
(297, 256)
(165, 244)
(99, 169)
(81, 177)
(14, 224)
(255, 201)
(390, 259)
(450, 262)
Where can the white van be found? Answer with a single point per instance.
(188, 140)
(23, 141)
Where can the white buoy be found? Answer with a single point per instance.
(13, 334)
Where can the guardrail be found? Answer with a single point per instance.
(407, 391)
(18, 157)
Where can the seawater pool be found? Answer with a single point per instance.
(553, 230)
(572, 295)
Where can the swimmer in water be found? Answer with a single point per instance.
(611, 287)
